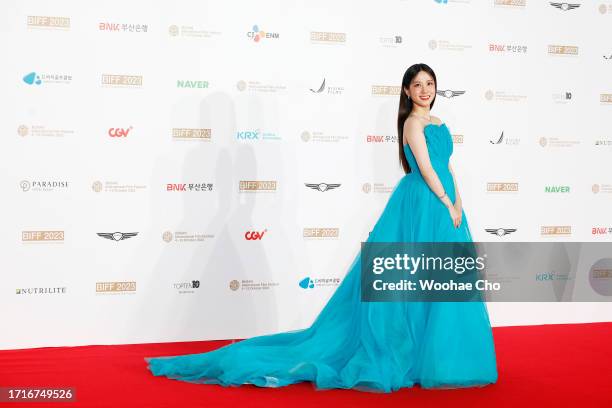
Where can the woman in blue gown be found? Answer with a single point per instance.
(376, 346)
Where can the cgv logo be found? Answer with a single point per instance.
(254, 235)
(248, 135)
(119, 132)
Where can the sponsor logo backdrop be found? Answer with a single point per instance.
(206, 170)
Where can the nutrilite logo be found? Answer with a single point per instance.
(41, 291)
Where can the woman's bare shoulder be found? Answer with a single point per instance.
(412, 128)
(436, 120)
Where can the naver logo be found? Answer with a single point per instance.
(193, 84)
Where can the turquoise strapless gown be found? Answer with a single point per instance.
(370, 346)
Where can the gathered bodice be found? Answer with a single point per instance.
(439, 144)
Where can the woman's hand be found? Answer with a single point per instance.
(455, 216)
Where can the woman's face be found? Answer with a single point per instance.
(422, 89)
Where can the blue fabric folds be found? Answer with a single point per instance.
(370, 346)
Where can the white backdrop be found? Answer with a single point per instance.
(188, 127)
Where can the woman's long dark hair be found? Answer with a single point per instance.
(405, 107)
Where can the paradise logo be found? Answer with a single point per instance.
(257, 35)
(119, 132)
(254, 235)
(42, 185)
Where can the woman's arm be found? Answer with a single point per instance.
(458, 202)
(413, 135)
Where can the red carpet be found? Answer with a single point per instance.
(539, 366)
